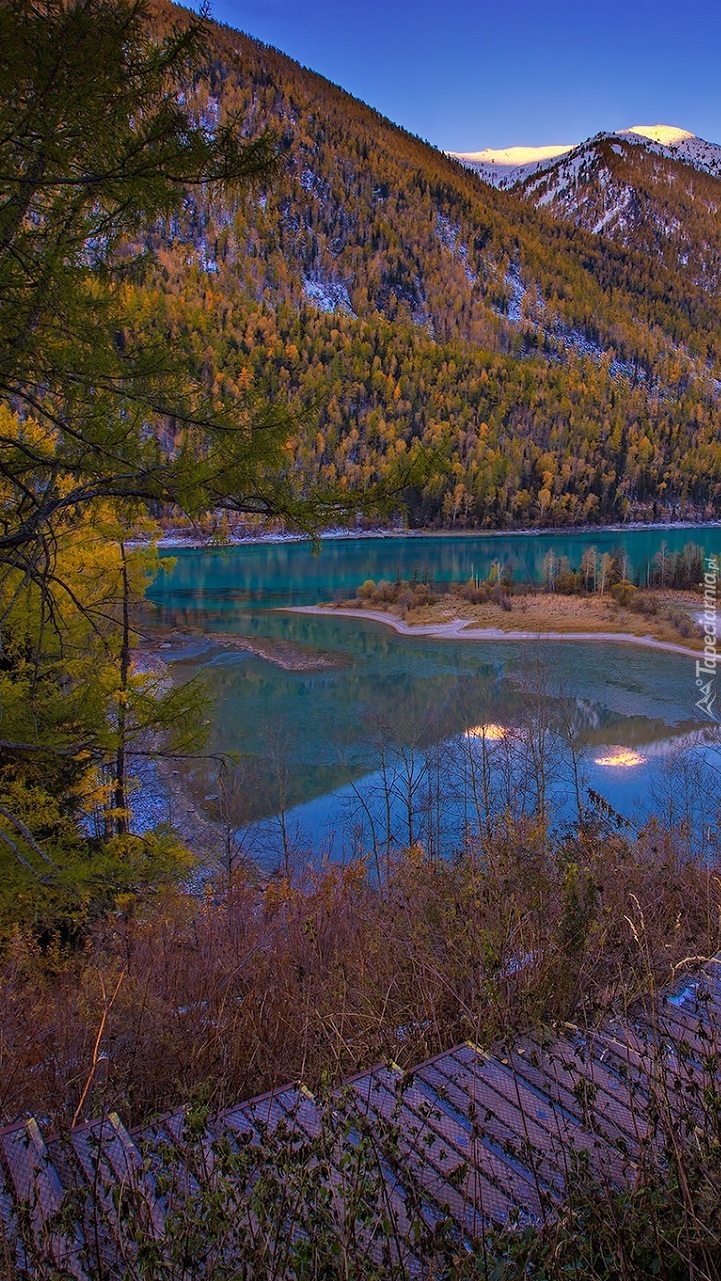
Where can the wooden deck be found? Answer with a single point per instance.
(482, 1138)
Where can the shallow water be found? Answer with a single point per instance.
(346, 753)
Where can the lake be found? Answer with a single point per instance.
(396, 739)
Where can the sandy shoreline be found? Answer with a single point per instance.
(460, 629)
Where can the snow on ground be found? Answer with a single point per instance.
(328, 295)
(207, 263)
(505, 168)
(574, 340)
(518, 293)
(449, 234)
(522, 309)
(563, 177)
(613, 214)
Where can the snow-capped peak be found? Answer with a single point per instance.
(679, 144)
(514, 156)
(665, 134)
(505, 166)
(511, 165)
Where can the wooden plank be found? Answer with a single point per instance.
(481, 1136)
(472, 1145)
(113, 1165)
(544, 1067)
(434, 1161)
(100, 1253)
(623, 1050)
(295, 1107)
(303, 1112)
(164, 1148)
(264, 1112)
(702, 989)
(558, 1111)
(34, 1182)
(598, 1090)
(697, 1027)
(508, 1123)
(561, 1132)
(12, 1254)
(642, 1054)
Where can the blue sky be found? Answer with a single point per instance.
(467, 76)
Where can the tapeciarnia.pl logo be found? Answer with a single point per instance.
(706, 670)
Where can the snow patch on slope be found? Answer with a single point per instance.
(449, 236)
(562, 180)
(514, 312)
(327, 295)
(504, 168)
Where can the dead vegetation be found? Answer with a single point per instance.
(664, 615)
(254, 985)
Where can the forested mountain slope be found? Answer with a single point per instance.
(403, 309)
(646, 197)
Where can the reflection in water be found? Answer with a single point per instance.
(491, 732)
(290, 574)
(413, 738)
(624, 757)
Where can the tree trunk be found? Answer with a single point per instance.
(121, 814)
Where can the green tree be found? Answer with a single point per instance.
(100, 142)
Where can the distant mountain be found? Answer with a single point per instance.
(403, 311)
(652, 188)
(513, 165)
(508, 166)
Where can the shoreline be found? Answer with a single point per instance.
(462, 629)
(172, 542)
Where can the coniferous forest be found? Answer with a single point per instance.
(490, 364)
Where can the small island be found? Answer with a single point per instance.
(664, 618)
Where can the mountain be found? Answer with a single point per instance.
(677, 144)
(407, 314)
(652, 188)
(511, 166)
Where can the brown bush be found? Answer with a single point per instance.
(247, 986)
(475, 594)
(644, 603)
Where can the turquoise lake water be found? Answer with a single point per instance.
(385, 746)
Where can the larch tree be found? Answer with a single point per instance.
(100, 419)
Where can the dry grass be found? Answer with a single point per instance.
(250, 987)
(550, 612)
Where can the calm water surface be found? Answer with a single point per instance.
(384, 746)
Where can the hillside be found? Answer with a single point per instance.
(400, 307)
(654, 189)
(644, 197)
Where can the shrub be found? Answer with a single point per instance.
(623, 592)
